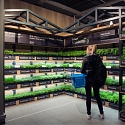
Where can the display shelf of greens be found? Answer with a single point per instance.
(110, 66)
(69, 90)
(11, 83)
(43, 68)
(16, 99)
(80, 93)
(112, 84)
(50, 65)
(11, 80)
(111, 97)
(74, 53)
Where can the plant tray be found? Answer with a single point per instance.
(78, 80)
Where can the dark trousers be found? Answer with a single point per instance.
(89, 94)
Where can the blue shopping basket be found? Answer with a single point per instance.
(79, 80)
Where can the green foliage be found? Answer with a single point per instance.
(49, 65)
(80, 91)
(110, 81)
(111, 51)
(34, 93)
(122, 57)
(8, 80)
(77, 65)
(114, 66)
(36, 78)
(109, 96)
(8, 66)
(105, 95)
(123, 84)
(68, 88)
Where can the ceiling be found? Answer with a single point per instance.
(75, 8)
(79, 8)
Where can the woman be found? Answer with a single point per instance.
(89, 68)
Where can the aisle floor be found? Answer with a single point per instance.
(60, 110)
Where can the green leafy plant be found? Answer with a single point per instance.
(10, 80)
(108, 51)
(110, 81)
(105, 95)
(8, 66)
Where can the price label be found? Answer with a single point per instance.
(109, 67)
(16, 66)
(43, 66)
(70, 65)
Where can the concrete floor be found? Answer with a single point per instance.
(60, 110)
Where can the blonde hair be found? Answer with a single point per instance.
(91, 49)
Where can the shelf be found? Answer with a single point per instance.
(32, 71)
(28, 89)
(40, 57)
(122, 116)
(39, 97)
(22, 71)
(122, 66)
(111, 88)
(122, 39)
(32, 84)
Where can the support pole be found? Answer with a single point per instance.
(120, 53)
(2, 108)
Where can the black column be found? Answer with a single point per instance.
(120, 53)
(2, 111)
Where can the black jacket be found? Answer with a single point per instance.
(94, 60)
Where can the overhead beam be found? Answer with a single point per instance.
(106, 4)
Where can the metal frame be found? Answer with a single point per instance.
(114, 14)
(76, 26)
(29, 22)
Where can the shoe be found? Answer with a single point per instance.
(101, 116)
(88, 117)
